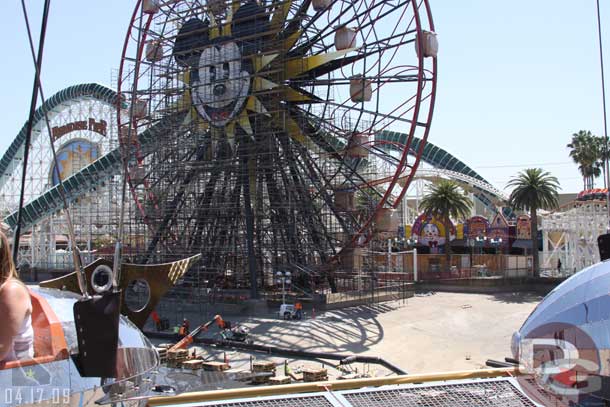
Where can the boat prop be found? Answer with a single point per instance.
(97, 328)
(159, 277)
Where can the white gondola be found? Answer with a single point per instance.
(345, 37)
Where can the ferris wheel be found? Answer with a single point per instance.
(251, 129)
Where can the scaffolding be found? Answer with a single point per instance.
(250, 133)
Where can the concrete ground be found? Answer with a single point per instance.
(431, 332)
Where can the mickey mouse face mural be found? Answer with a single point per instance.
(221, 68)
(220, 86)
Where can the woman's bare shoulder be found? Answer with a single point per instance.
(13, 291)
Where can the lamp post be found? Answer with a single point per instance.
(283, 278)
(389, 255)
(411, 243)
(496, 242)
(480, 241)
(471, 243)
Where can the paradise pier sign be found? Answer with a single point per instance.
(91, 124)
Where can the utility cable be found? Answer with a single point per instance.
(73, 247)
(601, 63)
(28, 134)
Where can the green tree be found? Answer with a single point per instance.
(444, 201)
(533, 189)
(604, 154)
(587, 150)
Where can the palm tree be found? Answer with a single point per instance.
(534, 189)
(587, 152)
(445, 201)
(604, 154)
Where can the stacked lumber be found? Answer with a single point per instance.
(176, 357)
(297, 377)
(314, 375)
(279, 380)
(193, 364)
(162, 354)
(215, 366)
(162, 349)
(165, 345)
(263, 371)
(348, 376)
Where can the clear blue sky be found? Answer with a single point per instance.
(516, 79)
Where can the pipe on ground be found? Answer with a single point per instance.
(498, 364)
(343, 359)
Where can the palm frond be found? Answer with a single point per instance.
(534, 188)
(444, 200)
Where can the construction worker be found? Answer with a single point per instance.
(298, 310)
(185, 328)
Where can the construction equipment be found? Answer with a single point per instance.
(232, 333)
(188, 339)
(290, 311)
(228, 333)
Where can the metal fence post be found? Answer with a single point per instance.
(415, 264)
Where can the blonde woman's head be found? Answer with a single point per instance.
(7, 267)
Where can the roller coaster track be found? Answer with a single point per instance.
(88, 178)
(53, 106)
(432, 154)
(475, 183)
(109, 165)
(446, 165)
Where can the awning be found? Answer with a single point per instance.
(459, 243)
(522, 244)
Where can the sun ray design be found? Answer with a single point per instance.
(298, 66)
(244, 122)
(255, 105)
(262, 61)
(280, 14)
